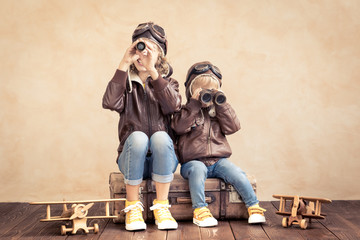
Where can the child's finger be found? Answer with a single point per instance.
(150, 52)
(144, 52)
(135, 57)
(133, 45)
(196, 93)
(150, 47)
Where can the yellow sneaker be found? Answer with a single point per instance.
(134, 219)
(163, 218)
(204, 218)
(256, 214)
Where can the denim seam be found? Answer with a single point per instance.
(128, 159)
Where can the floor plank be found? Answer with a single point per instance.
(5, 208)
(15, 216)
(222, 231)
(349, 210)
(27, 226)
(46, 230)
(115, 231)
(343, 219)
(152, 232)
(243, 230)
(185, 231)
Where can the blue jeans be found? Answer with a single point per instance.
(197, 172)
(136, 165)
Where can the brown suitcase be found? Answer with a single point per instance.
(224, 202)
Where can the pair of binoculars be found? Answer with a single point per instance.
(140, 46)
(208, 95)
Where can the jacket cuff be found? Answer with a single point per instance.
(119, 77)
(194, 104)
(159, 84)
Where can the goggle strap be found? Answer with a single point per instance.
(141, 29)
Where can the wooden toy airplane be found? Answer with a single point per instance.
(78, 214)
(301, 208)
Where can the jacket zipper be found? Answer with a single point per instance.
(148, 109)
(209, 139)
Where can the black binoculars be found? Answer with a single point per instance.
(140, 46)
(207, 95)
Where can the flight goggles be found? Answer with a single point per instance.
(156, 31)
(202, 68)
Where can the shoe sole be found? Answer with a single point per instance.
(163, 228)
(196, 222)
(257, 222)
(135, 229)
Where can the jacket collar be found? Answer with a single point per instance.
(135, 78)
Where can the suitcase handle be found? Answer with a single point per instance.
(186, 200)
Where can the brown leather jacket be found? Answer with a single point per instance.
(147, 109)
(203, 137)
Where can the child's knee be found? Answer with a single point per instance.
(160, 139)
(197, 169)
(138, 140)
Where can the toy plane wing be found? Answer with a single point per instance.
(77, 202)
(313, 199)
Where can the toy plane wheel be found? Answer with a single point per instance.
(303, 224)
(285, 222)
(63, 230)
(96, 228)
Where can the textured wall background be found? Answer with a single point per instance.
(291, 71)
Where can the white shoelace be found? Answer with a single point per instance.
(163, 210)
(131, 207)
(159, 206)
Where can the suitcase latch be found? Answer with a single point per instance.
(234, 196)
(141, 195)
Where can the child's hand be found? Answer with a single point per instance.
(149, 57)
(196, 93)
(129, 57)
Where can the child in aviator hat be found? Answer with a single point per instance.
(145, 97)
(203, 123)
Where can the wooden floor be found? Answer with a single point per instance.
(21, 221)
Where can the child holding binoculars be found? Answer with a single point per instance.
(145, 97)
(202, 126)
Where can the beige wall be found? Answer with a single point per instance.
(291, 71)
